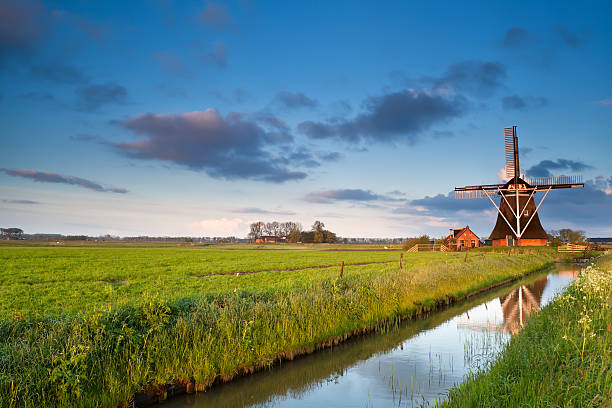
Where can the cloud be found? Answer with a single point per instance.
(515, 102)
(22, 26)
(92, 97)
(604, 102)
(517, 37)
(216, 16)
(172, 64)
(25, 28)
(302, 157)
(477, 78)
(329, 156)
(569, 38)
(38, 97)
(86, 137)
(317, 130)
(231, 147)
(58, 72)
(255, 210)
(219, 226)
(329, 196)
(543, 168)
(218, 55)
(397, 116)
(442, 205)
(48, 177)
(294, 100)
(27, 202)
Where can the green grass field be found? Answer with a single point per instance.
(92, 325)
(562, 357)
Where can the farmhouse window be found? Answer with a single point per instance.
(462, 242)
(473, 244)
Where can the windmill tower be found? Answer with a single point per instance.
(517, 219)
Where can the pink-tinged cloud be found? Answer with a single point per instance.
(230, 147)
(48, 177)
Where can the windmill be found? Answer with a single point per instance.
(517, 220)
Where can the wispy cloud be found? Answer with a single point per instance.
(27, 202)
(92, 97)
(604, 102)
(355, 195)
(172, 64)
(545, 167)
(48, 177)
(515, 102)
(294, 100)
(216, 16)
(255, 210)
(218, 54)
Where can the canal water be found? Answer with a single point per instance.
(412, 365)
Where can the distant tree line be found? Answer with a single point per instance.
(11, 233)
(292, 232)
(566, 235)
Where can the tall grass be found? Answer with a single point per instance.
(561, 358)
(102, 355)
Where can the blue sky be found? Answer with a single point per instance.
(198, 118)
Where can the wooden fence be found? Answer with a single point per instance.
(571, 248)
(429, 248)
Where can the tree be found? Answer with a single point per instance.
(288, 227)
(294, 236)
(410, 242)
(567, 235)
(318, 237)
(256, 230)
(318, 226)
(572, 236)
(307, 237)
(330, 237)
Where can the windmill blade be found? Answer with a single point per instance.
(556, 182)
(468, 194)
(511, 152)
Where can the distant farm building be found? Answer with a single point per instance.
(270, 239)
(462, 238)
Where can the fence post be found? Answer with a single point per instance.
(466, 252)
(341, 269)
(401, 259)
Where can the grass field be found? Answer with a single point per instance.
(561, 358)
(90, 326)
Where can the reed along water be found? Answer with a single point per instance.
(411, 365)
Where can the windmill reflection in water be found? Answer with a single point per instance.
(516, 306)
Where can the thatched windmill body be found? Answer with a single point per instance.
(518, 223)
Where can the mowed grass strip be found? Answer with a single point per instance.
(186, 327)
(562, 358)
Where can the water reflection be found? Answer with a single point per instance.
(412, 365)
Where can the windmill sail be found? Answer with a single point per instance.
(511, 149)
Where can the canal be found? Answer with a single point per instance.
(412, 365)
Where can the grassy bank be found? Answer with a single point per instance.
(100, 352)
(561, 358)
